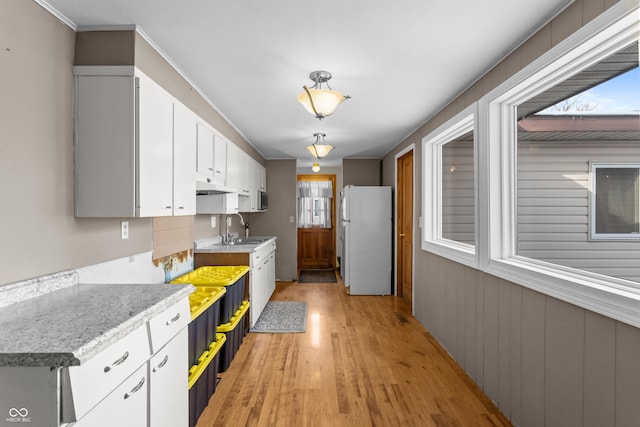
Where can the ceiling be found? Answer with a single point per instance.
(401, 62)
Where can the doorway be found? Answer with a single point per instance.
(404, 226)
(316, 205)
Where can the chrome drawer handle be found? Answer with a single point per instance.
(176, 317)
(136, 388)
(164, 362)
(117, 362)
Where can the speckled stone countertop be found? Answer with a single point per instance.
(68, 326)
(222, 248)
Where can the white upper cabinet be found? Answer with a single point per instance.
(184, 155)
(211, 164)
(204, 164)
(155, 149)
(238, 173)
(219, 159)
(124, 146)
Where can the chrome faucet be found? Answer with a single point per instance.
(226, 225)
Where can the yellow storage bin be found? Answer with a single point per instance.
(203, 379)
(235, 330)
(232, 277)
(205, 316)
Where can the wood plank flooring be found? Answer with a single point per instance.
(363, 361)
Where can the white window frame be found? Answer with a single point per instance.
(497, 176)
(593, 166)
(432, 240)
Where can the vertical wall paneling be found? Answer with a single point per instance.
(479, 378)
(469, 312)
(599, 370)
(515, 354)
(504, 347)
(533, 330)
(491, 337)
(564, 364)
(627, 375)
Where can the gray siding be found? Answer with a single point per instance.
(458, 186)
(553, 206)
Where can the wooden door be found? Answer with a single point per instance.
(316, 246)
(404, 235)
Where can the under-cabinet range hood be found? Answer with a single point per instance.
(209, 187)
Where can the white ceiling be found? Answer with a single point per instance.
(401, 61)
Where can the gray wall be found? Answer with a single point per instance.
(38, 232)
(281, 188)
(36, 143)
(543, 361)
(361, 172)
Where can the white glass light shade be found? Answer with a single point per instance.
(319, 150)
(325, 100)
(315, 167)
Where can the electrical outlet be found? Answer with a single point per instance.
(291, 219)
(213, 221)
(124, 230)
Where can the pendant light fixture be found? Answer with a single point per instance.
(319, 149)
(318, 101)
(316, 167)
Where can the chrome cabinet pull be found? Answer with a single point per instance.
(170, 321)
(117, 362)
(164, 362)
(136, 388)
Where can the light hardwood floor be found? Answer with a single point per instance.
(357, 364)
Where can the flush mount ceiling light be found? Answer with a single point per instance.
(315, 167)
(318, 101)
(319, 149)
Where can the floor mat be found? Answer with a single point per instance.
(282, 317)
(317, 276)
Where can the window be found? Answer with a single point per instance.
(449, 189)
(314, 204)
(539, 137)
(615, 201)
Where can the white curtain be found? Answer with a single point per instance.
(314, 204)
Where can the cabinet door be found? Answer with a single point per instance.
(154, 150)
(168, 388)
(184, 158)
(234, 167)
(204, 165)
(126, 406)
(219, 160)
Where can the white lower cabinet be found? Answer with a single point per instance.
(168, 395)
(139, 381)
(262, 280)
(126, 406)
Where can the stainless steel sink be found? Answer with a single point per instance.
(249, 240)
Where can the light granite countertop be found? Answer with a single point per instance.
(68, 326)
(222, 248)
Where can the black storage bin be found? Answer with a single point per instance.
(235, 332)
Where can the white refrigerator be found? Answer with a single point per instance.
(365, 217)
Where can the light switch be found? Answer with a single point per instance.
(124, 230)
(420, 222)
(213, 221)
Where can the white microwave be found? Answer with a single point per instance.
(263, 201)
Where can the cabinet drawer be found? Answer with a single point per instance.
(167, 324)
(126, 406)
(82, 387)
(262, 253)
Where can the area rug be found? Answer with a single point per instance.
(282, 317)
(317, 276)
